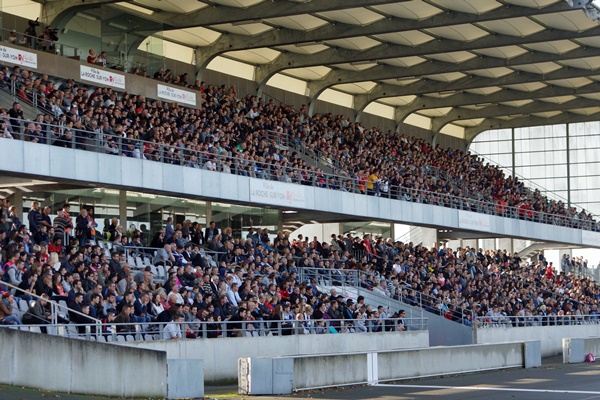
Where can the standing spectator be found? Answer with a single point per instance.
(16, 116)
(92, 56)
(169, 230)
(211, 232)
(82, 227)
(35, 218)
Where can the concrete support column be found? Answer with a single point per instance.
(472, 243)
(208, 212)
(123, 209)
(430, 237)
(393, 230)
(16, 199)
(280, 220)
(505, 243)
(561, 254)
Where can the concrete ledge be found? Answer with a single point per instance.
(257, 376)
(74, 366)
(575, 349)
(221, 355)
(550, 337)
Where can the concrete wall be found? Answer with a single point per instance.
(330, 370)
(76, 366)
(551, 337)
(221, 355)
(576, 349)
(100, 170)
(447, 360)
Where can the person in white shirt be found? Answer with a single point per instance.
(172, 330)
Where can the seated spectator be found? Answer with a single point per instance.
(6, 310)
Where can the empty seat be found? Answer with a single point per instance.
(23, 306)
(130, 338)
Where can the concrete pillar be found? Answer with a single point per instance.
(472, 243)
(16, 199)
(430, 237)
(208, 212)
(123, 209)
(280, 220)
(505, 243)
(393, 230)
(561, 253)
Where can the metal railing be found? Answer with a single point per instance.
(121, 332)
(503, 321)
(55, 307)
(37, 43)
(359, 280)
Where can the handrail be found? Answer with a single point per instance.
(503, 321)
(252, 168)
(33, 42)
(531, 183)
(212, 329)
(353, 278)
(53, 303)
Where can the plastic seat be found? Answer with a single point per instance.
(23, 306)
(120, 338)
(130, 338)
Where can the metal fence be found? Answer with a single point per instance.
(502, 321)
(119, 332)
(362, 279)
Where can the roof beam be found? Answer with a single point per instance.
(386, 51)
(281, 37)
(217, 14)
(502, 110)
(465, 99)
(475, 82)
(492, 123)
(384, 90)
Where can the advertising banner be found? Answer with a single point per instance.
(173, 94)
(18, 56)
(473, 221)
(277, 193)
(102, 77)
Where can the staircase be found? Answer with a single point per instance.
(442, 331)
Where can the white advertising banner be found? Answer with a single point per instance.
(590, 238)
(474, 221)
(174, 94)
(18, 56)
(102, 77)
(277, 193)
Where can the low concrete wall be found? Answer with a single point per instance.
(258, 376)
(447, 360)
(77, 366)
(221, 355)
(550, 336)
(575, 349)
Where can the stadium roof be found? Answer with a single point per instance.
(465, 65)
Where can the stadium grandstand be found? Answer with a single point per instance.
(213, 171)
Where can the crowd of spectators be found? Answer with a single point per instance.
(253, 280)
(243, 135)
(253, 283)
